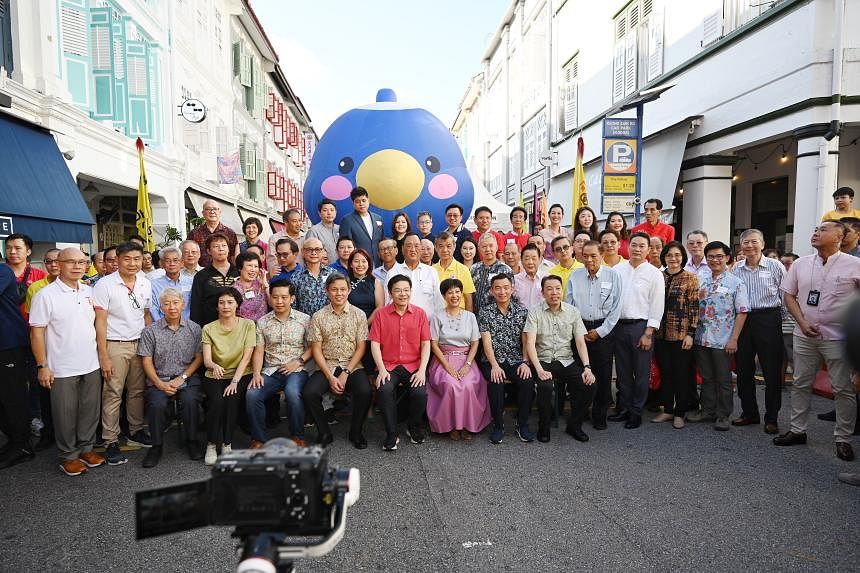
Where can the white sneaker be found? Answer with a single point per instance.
(211, 455)
(226, 449)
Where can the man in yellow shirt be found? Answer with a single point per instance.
(450, 268)
(843, 199)
(52, 266)
(561, 247)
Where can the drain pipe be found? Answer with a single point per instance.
(836, 87)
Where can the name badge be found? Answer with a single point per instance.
(605, 285)
(249, 294)
(765, 274)
(722, 290)
(379, 223)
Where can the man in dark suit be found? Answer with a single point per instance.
(362, 226)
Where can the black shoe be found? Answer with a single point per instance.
(622, 416)
(543, 436)
(789, 439)
(325, 440)
(633, 422)
(16, 456)
(330, 417)
(46, 440)
(599, 425)
(195, 450)
(577, 434)
(390, 443)
(844, 451)
(828, 416)
(152, 457)
(416, 435)
(358, 442)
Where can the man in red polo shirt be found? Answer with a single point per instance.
(484, 220)
(653, 226)
(400, 345)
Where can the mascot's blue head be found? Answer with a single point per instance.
(404, 156)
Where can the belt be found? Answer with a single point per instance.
(455, 353)
(763, 310)
(111, 340)
(589, 324)
(631, 320)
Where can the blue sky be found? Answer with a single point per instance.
(337, 53)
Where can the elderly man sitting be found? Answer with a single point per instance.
(170, 352)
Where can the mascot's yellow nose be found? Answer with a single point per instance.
(393, 179)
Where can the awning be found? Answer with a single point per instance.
(661, 164)
(37, 190)
(229, 215)
(267, 231)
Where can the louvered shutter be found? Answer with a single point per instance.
(655, 44)
(101, 58)
(712, 28)
(75, 51)
(631, 64)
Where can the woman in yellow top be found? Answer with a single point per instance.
(228, 344)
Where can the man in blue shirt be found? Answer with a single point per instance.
(14, 342)
(173, 277)
(287, 253)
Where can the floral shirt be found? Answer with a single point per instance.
(505, 330)
(681, 314)
(282, 340)
(481, 276)
(254, 303)
(338, 334)
(310, 290)
(721, 299)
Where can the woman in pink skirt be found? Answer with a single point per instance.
(456, 391)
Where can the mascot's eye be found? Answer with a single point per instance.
(432, 164)
(345, 165)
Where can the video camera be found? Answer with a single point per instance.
(284, 501)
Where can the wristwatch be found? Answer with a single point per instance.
(347, 370)
(40, 366)
(584, 366)
(184, 376)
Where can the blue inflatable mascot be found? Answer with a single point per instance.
(404, 156)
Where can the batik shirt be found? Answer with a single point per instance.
(721, 299)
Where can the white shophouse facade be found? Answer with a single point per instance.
(759, 127)
(99, 73)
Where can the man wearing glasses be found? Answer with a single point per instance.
(122, 300)
(293, 219)
(287, 254)
(171, 262)
(63, 339)
(563, 251)
(212, 224)
(310, 281)
(484, 270)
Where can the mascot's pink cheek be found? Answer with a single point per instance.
(337, 187)
(443, 186)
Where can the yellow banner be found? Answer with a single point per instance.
(144, 211)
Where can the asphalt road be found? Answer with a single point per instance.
(647, 499)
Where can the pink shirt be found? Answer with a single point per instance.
(400, 337)
(528, 291)
(836, 281)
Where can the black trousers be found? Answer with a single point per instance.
(496, 393)
(387, 396)
(632, 365)
(600, 356)
(570, 379)
(675, 371)
(157, 415)
(222, 410)
(762, 337)
(14, 410)
(357, 385)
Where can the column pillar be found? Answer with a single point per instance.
(707, 184)
(817, 169)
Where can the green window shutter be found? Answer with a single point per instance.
(102, 60)
(255, 88)
(6, 60)
(120, 83)
(243, 151)
(75, 59)
(245, 69)
(249, 166)
(139, 90)
(154, 96)
(260, 93)
(237, 58)
(261, 180)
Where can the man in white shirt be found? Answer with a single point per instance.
(122, 302)
(63, 338)
(190, 258)
(642, 303)
(425, 279)
(696, 263)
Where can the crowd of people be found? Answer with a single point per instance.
(450, 325)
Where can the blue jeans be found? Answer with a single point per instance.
(255, 402)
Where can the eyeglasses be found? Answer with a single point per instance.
(134, 302)
(561, 248)
(715, 257)
(283, 255)
(51, 261)
(386, 249)
(79, 263)
(212, 209)
(313, 249)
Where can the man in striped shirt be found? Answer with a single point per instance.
(762, 333)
